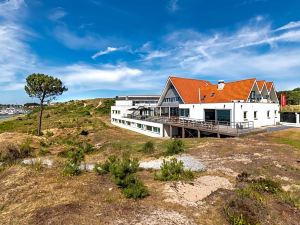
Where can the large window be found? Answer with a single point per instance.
(184, 112)
(156, 130)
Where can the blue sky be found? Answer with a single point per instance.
(103, 48)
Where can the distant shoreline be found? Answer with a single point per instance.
(9, 117)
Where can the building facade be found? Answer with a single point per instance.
(235, 105)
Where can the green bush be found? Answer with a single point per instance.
(135, 188)
(43, 151)
(87, 147)
(121, 169)
(72, 166)
(266, 185)
(123, 174)
(173, 170)
(25, 148)
(103, 168)
(148, 147)
(175, 147)
(49, 133)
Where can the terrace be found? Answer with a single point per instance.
(214, 127)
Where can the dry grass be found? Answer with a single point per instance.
(30, 196)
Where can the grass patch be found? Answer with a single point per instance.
(288, 141)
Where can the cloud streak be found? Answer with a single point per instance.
(57, 14)
(105, 52)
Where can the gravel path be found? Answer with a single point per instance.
(189, 162)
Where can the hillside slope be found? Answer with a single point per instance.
(254, 178)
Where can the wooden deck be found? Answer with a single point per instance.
(219, 128)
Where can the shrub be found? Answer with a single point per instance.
(148, 147)
(244, 211)
(25, 148)
(103, 168)
(43, 151)
(175, 147)
(123, 174)
(121, 169)
(266, 185)
(10, 153)
(72, 166)
(173, 170)
(87, 147)
(84, 133)
(49, 133)
(135, 189)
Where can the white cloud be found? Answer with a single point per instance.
(72, 40)
(85, 77)
(253, 50)
(105, 52)
(57, 14)
(16, 58)
(173, 5)
(156, 54)
(290, 25)
(10, 9)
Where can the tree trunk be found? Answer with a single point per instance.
(39, 131)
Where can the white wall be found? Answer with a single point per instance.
(124, 103)
(237, 111)
(133, 126)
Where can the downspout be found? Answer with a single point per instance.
(234, 114)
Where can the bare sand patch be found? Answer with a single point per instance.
(192, 193)
(158, 217)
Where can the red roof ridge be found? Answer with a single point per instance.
(172, 76)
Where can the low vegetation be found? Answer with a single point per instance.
(123, 173)
(175, 147)
(72, 165)
(80, 132)
(11, 152)
(148, 147)
(249, 204)
(173, 170)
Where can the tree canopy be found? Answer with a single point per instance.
(44, 87)
(292, 96)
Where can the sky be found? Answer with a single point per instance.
(104, 48)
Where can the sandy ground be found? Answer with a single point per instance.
(47, 197)
(192, 193)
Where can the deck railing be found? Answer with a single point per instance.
(216, 126)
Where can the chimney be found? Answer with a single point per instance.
(221, 84)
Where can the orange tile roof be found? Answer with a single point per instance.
(260, 84)
(269, 85)
(189, 90)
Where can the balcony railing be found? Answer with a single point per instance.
(216, 126)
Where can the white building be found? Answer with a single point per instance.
(188, 107)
